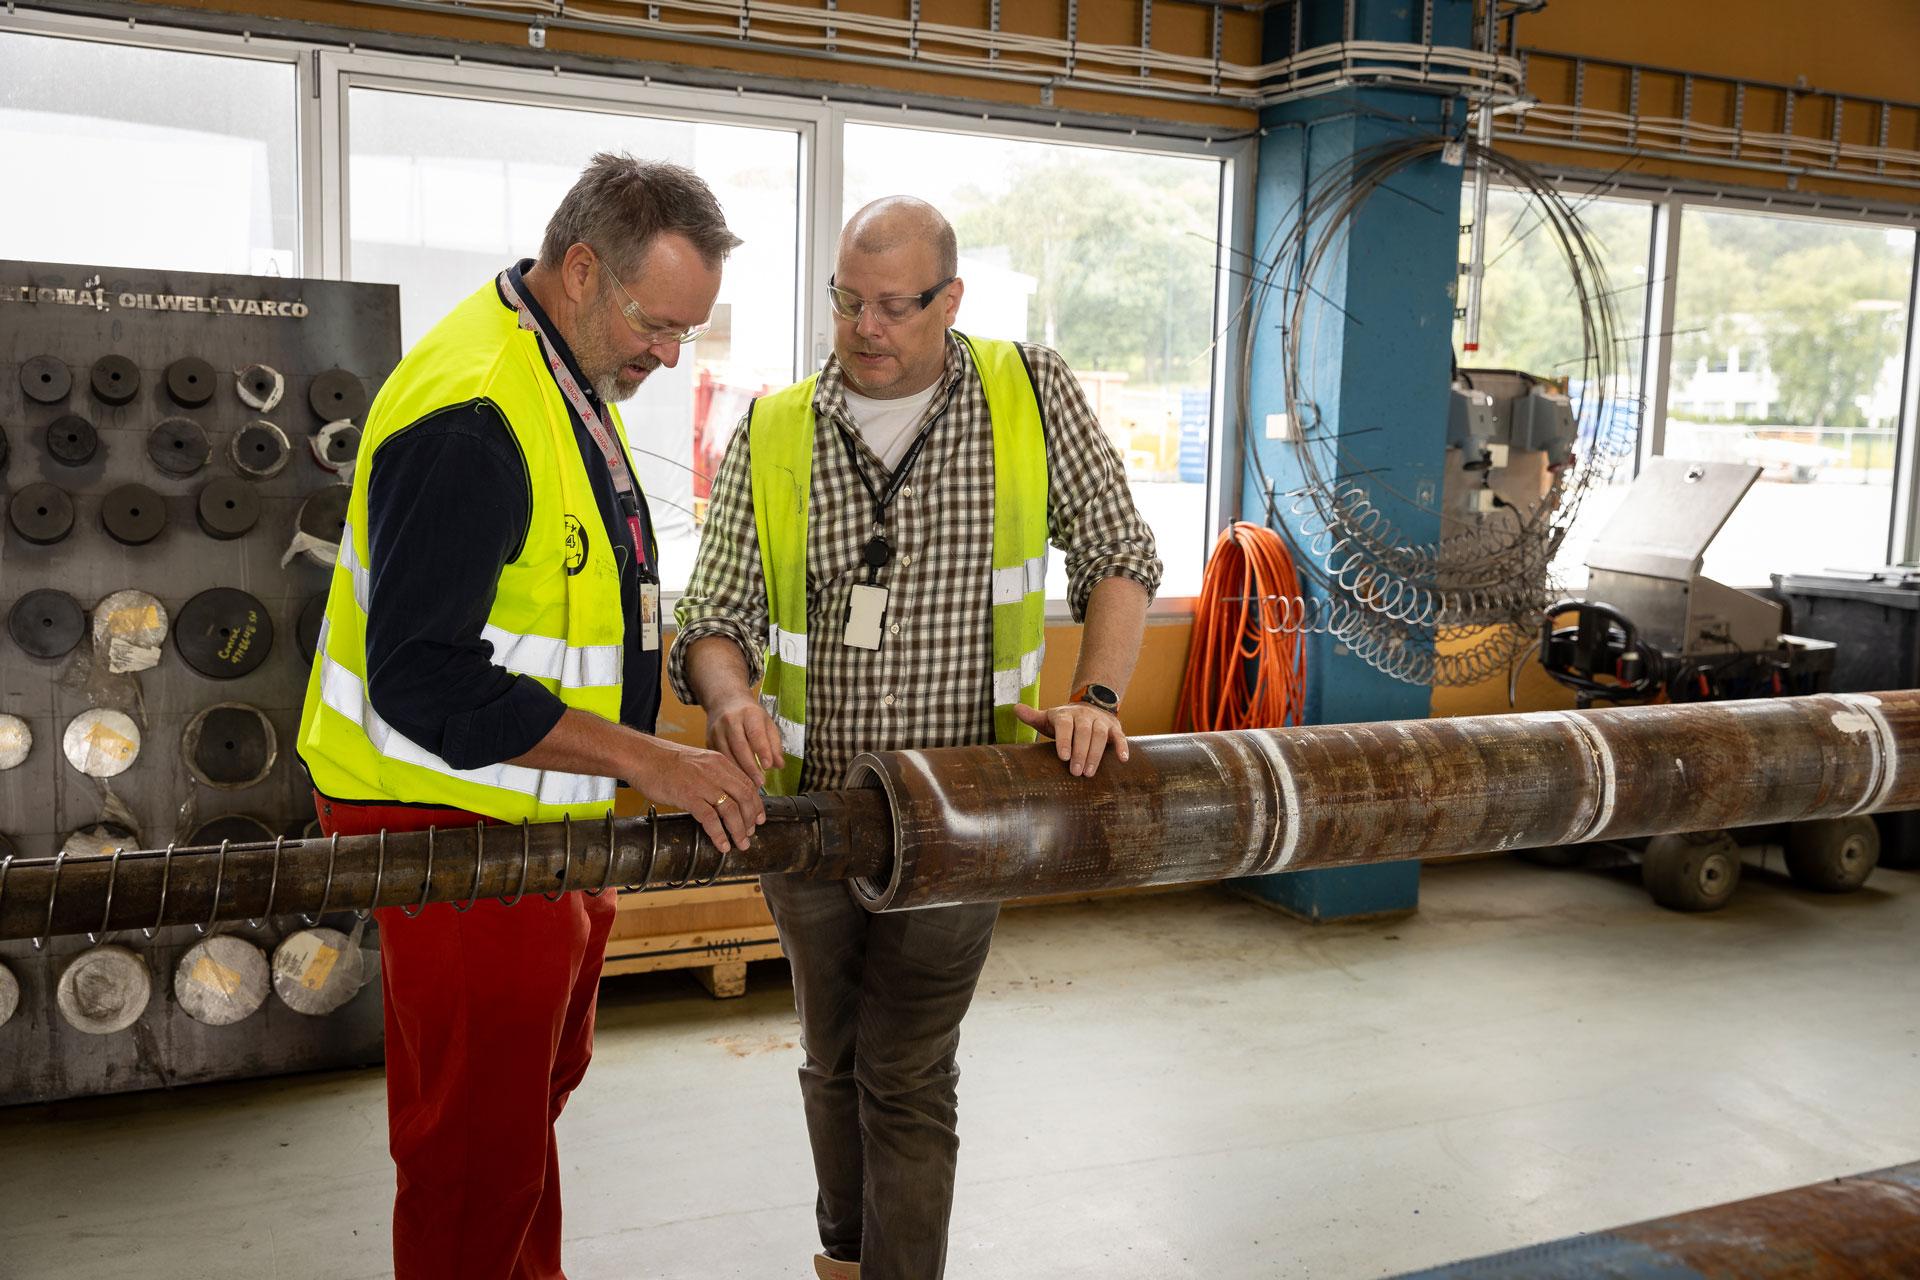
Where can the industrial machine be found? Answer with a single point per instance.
(1652, 627)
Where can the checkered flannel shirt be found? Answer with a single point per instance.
(930, 684)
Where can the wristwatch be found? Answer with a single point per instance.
(1097, 695)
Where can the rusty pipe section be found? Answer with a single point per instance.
(1861, 1226)
(834, 835)
(980, 824)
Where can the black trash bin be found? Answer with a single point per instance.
(1874, 619)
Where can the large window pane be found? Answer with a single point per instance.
(1786, 354)
(444, 192)
(1530, 320)
(124, 156)
(1108, 257)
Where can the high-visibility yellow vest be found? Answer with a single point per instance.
(556, 617)
(780, 446)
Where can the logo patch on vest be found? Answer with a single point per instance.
(576, 546)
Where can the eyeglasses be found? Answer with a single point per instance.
(888, 310)
(644, 327)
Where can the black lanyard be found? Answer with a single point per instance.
(878, 552)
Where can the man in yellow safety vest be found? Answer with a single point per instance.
(875, 557)
(491, 652)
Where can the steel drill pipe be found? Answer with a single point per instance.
(983, 824)
(980, 824)
(830, 836)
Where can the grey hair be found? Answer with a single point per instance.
(620, 205)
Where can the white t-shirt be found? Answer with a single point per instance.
(888, 425)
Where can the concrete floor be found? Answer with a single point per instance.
(1170, 1086)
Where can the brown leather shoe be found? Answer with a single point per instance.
(828, 1269)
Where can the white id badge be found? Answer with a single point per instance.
(864, 614)
(649, 615)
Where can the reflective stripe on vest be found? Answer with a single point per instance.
(556, 615)
(780, 447)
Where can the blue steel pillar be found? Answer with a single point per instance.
(1377, 354)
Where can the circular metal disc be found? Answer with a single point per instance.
(336, 445)
(230, 745)
(235, 828)
(306, 633)
(47, 623)
(9, 994)
(41, 513)
(190, 381)
(101, 837)
(260, 387)
(102, 742)
(223, 633)
(227, 508)
(72, 441)
(128, 629)
(315, 971)
(45, 380)
(337, 394)
(16, 743)
(133, 514)
(104, 990)
(259, 450)
(323, 516)
(178, 446)
(221, 980)
(116, 379)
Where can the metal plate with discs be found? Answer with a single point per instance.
(221, 980)
(16, 744)
(337, 394)
(100, 838)
(71, 440)
(47, 623)
(41, 513)
(227, 508)
(235, 828)
(133, 515)
(336, 445)
(104, 990)
(223, 633)
(315, 971)
(230, 745)
(306, 633)
(9, 994)
(190, 381)
(260, 387)
(259, 450)
(101, 742)
(128, 629)
(116, 379)
(178, 446)
(45, 380)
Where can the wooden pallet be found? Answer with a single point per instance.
(712, 931)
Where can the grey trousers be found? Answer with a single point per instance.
(880, 999)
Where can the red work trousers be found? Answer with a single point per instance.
(489, 1024)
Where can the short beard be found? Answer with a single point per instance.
(596, 350)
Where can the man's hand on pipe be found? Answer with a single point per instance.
(724, 799)
(1081, 733)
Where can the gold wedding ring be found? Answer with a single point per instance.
(722, 800)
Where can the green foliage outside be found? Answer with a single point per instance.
(1123, 251)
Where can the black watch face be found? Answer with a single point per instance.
(1103, 697)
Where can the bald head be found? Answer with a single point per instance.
(895, 222)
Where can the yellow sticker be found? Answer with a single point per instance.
(314, 976)
(209, 972)
(104, 746)
(126, 622)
